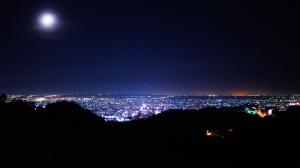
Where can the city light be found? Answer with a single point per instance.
(270, 112)
(131, 107)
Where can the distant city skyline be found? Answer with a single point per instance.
(128, 107)
(241, 94)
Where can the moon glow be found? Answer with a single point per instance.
(47, 21)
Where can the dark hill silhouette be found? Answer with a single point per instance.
(64, 133)
(3, 98)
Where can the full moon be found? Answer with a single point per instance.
(47, 21)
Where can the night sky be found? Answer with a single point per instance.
(155, 47)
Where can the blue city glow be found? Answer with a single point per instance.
(129, 107)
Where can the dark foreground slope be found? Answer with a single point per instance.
(63, 133)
